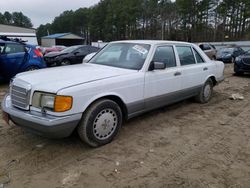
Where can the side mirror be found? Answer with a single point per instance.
(75, 53)
(157, 66)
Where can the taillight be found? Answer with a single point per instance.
(38, 53)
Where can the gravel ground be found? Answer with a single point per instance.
(184, 145)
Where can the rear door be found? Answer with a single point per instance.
(194, 70)
(12, 58)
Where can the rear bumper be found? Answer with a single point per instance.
(44, 125)
(220, 79)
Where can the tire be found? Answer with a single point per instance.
(31, 68)
(236, 71)
(206, 92)
(65, 62)
(100, 123)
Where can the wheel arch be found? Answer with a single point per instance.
(114, 98)
(213, 78)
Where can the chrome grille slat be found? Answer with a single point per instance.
(16, 99)
(13, 90)
(20, 97)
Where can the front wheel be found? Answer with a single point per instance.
(100, 123)
(206, 92)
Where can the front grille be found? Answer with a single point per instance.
(20, 97)
(246, 62)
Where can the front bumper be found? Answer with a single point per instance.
(220, 79)
(241, 67)
(50, 61)
(44, 125)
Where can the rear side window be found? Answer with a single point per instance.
(186, 55)
(14, 48)
(206, 47)
(198, 57)
(165, 54)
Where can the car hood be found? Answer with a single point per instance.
(54, 54)
(54, 79)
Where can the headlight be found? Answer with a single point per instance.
(56, 103)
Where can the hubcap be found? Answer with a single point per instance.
(105, 124)
(207, 92)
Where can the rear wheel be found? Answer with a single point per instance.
(206, 92)
(100, 123)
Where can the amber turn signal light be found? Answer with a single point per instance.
(63, 103)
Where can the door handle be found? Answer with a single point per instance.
(205, 69)
(177, 74)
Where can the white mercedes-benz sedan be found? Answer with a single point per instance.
(123, 80)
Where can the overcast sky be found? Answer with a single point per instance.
(43, 11)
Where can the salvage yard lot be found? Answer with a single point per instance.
(183, 145)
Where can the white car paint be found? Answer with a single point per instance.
(89, 82)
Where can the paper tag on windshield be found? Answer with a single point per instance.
(140, 49)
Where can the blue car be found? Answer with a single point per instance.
(16, 57)
(242, 64)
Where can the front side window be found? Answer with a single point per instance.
(186, 55)
(122, 55)
(165, 54)
(13, 48)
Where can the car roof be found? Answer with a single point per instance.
(152, 42)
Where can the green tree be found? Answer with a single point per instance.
(19, 19)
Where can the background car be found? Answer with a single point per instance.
(88, 57)
(71, 55)
(242, 63)
(229, 54)
(16, 57)
(53, 49)
(209, 50)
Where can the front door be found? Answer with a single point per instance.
(162, 86)
(12, 58)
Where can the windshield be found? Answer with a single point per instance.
(122, 55)
(70, 49)
(226, 50)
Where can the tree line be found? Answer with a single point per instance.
(16, 19)
(186, 20)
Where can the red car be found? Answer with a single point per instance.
(53, 49)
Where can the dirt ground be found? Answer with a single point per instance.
(185, 145)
